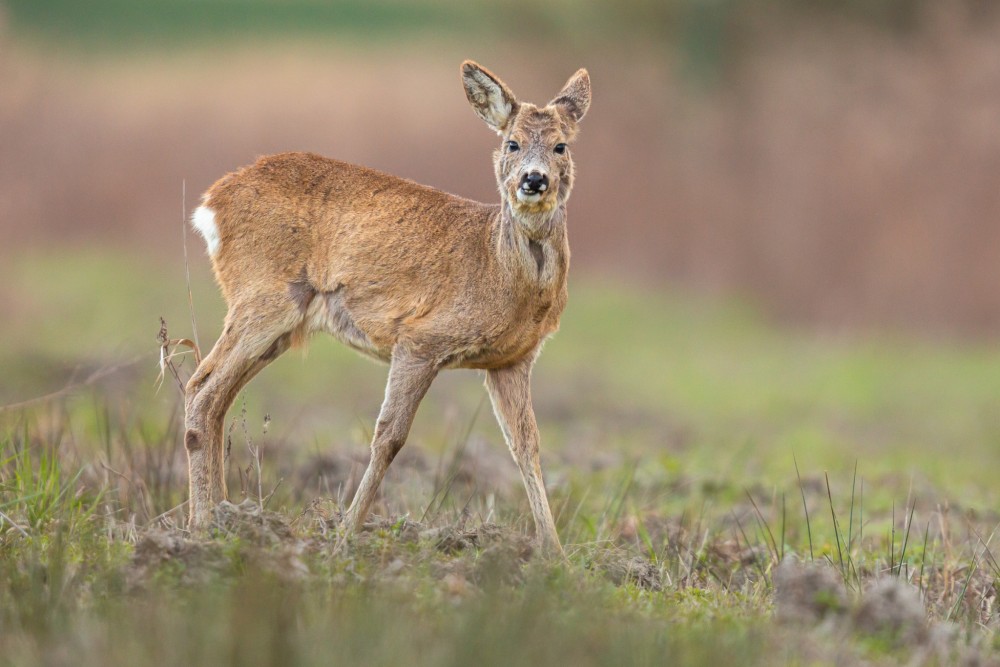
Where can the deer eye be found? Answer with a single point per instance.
(513, 146)
(560, 149)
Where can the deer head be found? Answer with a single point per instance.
(533, 164)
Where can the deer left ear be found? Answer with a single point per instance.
(574, 98)
(490, 97)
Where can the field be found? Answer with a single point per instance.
(690, 448)
(769, 422)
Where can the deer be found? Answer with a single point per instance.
(403, 273)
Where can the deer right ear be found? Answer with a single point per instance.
(490, 97)
(574, 98)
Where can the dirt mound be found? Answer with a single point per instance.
(455, 538)
(240, 537)
(466, 557)
(893, 610)
(248, 521)
(807, 592)
(623, 569)
(889, 609)
(174, 555)
(503, 563)
(452, 538)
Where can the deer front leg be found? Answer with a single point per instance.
(510, 392)
(409, 379)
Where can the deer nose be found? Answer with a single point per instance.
(534, 182)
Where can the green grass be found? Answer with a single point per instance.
(671, 432)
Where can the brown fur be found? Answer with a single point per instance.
(401, 272)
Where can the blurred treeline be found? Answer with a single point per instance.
(703, 28)
(837, 161)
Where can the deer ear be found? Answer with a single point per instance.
(574, 98)
(490, 97)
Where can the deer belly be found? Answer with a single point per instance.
(329, 312)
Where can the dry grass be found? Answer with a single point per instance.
(93, 528)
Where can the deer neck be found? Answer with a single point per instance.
(532, 245)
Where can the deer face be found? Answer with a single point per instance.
(534, 168)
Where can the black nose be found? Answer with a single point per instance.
(534, 182)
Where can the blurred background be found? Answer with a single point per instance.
(785, 286)
(835, 163)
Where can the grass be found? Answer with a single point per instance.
(690, 447)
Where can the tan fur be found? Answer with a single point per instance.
(401, 272)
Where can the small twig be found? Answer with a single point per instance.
(256, 456)
(115, 472)
(16, 527)
(850, 520)
(892, 540)
(782, 525)
(965, 587)
(187, 268)
(804, 508)
(923, 557)
(139, 487)
(760, 518)
(906, 539)
(986, 547)
(260, 482)
(760, 567)
(836, 528)
(268, 497)
(94, 377)
(160, 516)
(167, 354)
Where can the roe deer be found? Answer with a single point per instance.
(404, 273)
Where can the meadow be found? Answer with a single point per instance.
(769, 421)
(691, 447)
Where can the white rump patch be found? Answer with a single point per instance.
(203, 219)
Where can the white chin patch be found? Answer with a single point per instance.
(203, 220)
(524, 197)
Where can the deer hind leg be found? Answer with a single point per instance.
(510, 392)
(252, 338)
(409, 379)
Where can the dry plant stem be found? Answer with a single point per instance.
(268, 496)
(805, 508)
(256, 456)
(771, 544)
(139, 487)
(187, 269)
(18, 528)
(90, 380)
(162, 515)
(167, 355)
